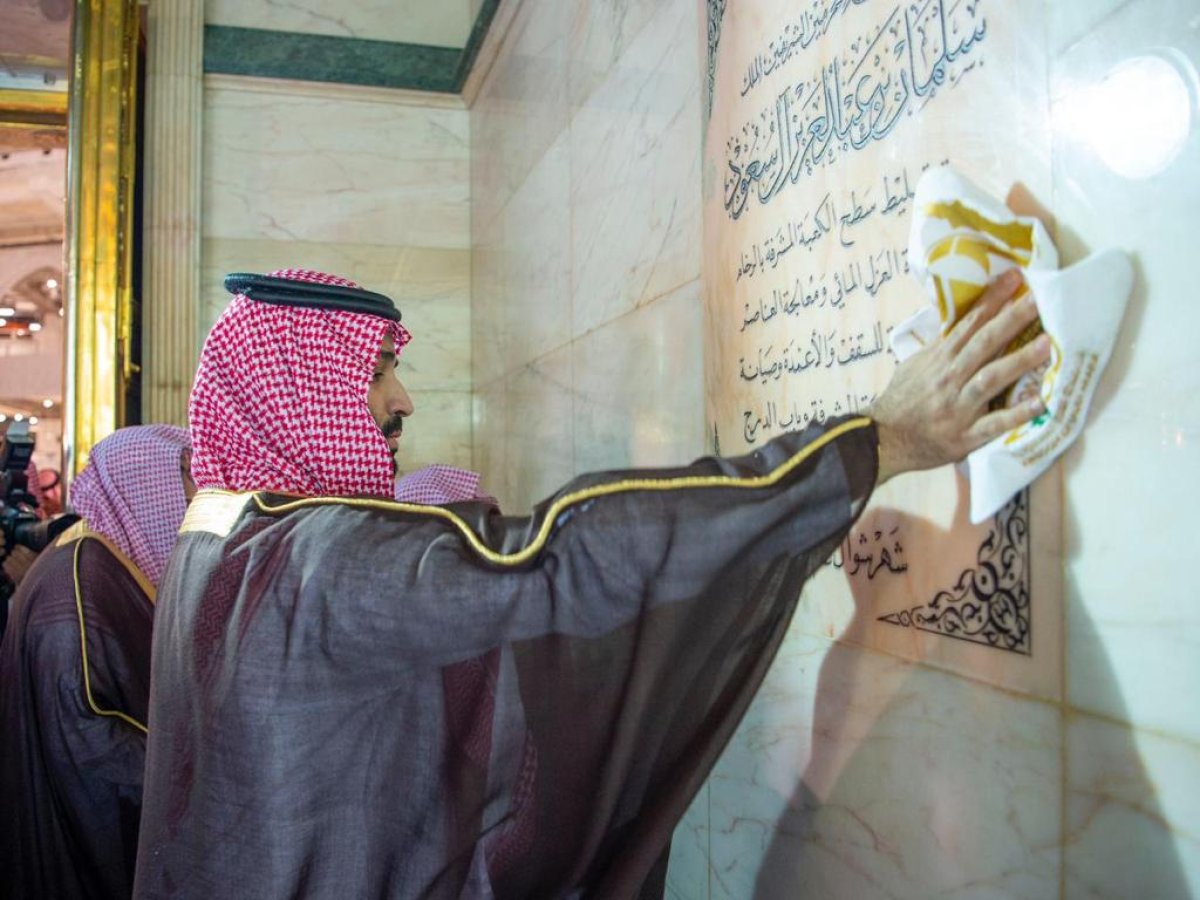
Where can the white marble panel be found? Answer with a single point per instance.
(488, 351)
(639, 387)
(1132, 808)
(1132, 635)
(489, 453)
(446, 23)
(521, 109)
(523, 433)
(860, 775)
(532, 315)
(439, 430)
(687, 874)
(357, 170)
(635, 174)
(603, 30)
(1071, 20)
(430, 285)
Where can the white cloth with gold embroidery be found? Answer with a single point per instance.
(960, 240)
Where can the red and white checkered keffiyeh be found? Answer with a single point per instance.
(132, 493)
(436, 485)
(280, 399)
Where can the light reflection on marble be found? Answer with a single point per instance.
(279, 166)
(1132, 810)
(1133, 634)
(639, 387)
(523, 442)
(521, 109)
(532, 312)
(687, 874)
(488, 349)
(446, 23)
(635, 173)
(860, 775)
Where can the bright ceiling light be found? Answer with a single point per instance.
(7, 311)
(3, 417)
(35, 326)
(33, 420)
(3, 322)
(47, 403)
(51, 283)
(18, 418)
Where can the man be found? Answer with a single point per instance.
(354, 697)
(75, 674)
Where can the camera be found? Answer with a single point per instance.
(20, 525)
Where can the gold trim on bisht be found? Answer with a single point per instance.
(216, 512)
(78, 533)
(81, 530)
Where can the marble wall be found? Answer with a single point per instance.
(368, 183)
(874, 763)
(869, 767)
(585, 172)
(1131, 722)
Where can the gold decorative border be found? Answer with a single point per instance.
(216, 512)
(101, 168)
(84, 662)
(25, 110)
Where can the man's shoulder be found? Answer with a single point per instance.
(50, 592)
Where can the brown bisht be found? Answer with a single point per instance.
(358, 698)
(74, 687)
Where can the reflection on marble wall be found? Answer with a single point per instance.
(585, 225)
(1132, 623)
(284, 187)
(860, 775)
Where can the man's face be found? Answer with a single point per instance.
(387, 399)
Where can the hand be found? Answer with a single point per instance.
(934, 410)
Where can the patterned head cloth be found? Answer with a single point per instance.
(280, 399)
(132, 493)
(438, 485)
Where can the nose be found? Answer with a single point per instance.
(399, 403)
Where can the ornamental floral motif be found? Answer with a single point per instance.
(989, 602)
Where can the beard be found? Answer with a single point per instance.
(393, 427)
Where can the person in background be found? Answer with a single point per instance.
(75, 674)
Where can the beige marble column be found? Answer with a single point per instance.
(171, 235)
